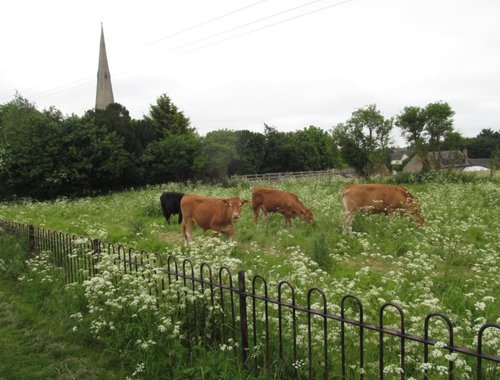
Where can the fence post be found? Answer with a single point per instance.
(96, 250)
(31, 239)
(243, 316)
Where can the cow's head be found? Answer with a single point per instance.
(234, 204)
(307, 215)
(418, 216)
(415, 211)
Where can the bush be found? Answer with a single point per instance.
(437, 176)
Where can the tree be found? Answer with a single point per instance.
(484, 144)
(426, 128)
(279, 151)
(250, 151)
(438, 122)
(93, 159)
(170, 159)
(364, 140)
(412, 123)
(116, 118)
(29, 149)
(315, 149)
(218, 150)
(165, 118)
(453, 141)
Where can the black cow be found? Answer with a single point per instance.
(171, 204)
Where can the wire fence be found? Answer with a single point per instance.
(277, 333)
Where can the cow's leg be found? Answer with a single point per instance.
(187, 230)
(348, 215)
(288, 220)
(347, 222)
(229, 231)
(255, 214)
(180, 217)
(226, 230)
(167, 218)
(264, 215)
(184, 233)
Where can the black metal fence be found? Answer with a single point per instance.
(278, 334)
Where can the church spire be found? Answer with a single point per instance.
(104, 95)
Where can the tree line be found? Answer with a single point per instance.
(44, 154)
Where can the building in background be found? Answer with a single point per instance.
(104, 94)
(444, 159)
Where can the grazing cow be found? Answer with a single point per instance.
(376, 198)
(214, 214)
(273, 200)
(171, 204)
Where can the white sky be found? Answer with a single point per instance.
(313, 65)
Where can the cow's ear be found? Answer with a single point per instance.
(244, 202)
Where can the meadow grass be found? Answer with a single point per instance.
(450, 266)
(43, 334)
(34, 327)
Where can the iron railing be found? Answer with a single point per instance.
(275, 334)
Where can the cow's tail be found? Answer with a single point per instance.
(256, 200)
(346, 189)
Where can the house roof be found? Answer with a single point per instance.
(449, 157)
(397, 154)
(486, 162)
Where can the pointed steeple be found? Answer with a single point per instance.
(104, 95)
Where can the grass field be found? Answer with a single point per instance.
(450, 266)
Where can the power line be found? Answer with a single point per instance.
(88, 79)
(202, 24)
(83, 81)
(244, 25)
(262, 27)
(62, 88)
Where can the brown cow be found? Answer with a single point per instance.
(273, 200)
(376, 198)
(215, 214)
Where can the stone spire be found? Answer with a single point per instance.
(104, 95)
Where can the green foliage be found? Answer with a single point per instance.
(278, 154)
(450, 266)
(321, 253)
(218, 150)
(425, 129)
(250, 149)
(438, 122)
(166, 119)
(35, 323)
(115, 118)
(93, 157)
(307, 149)
(315, 149)
(28, 149)
(437, 176)
(170, 159)
(453, 140)
(364, 140)
(44, 154)
(12, 264)
(484, 144)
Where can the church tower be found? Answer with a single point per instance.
(104, 95)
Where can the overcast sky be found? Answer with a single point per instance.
(237, 64)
